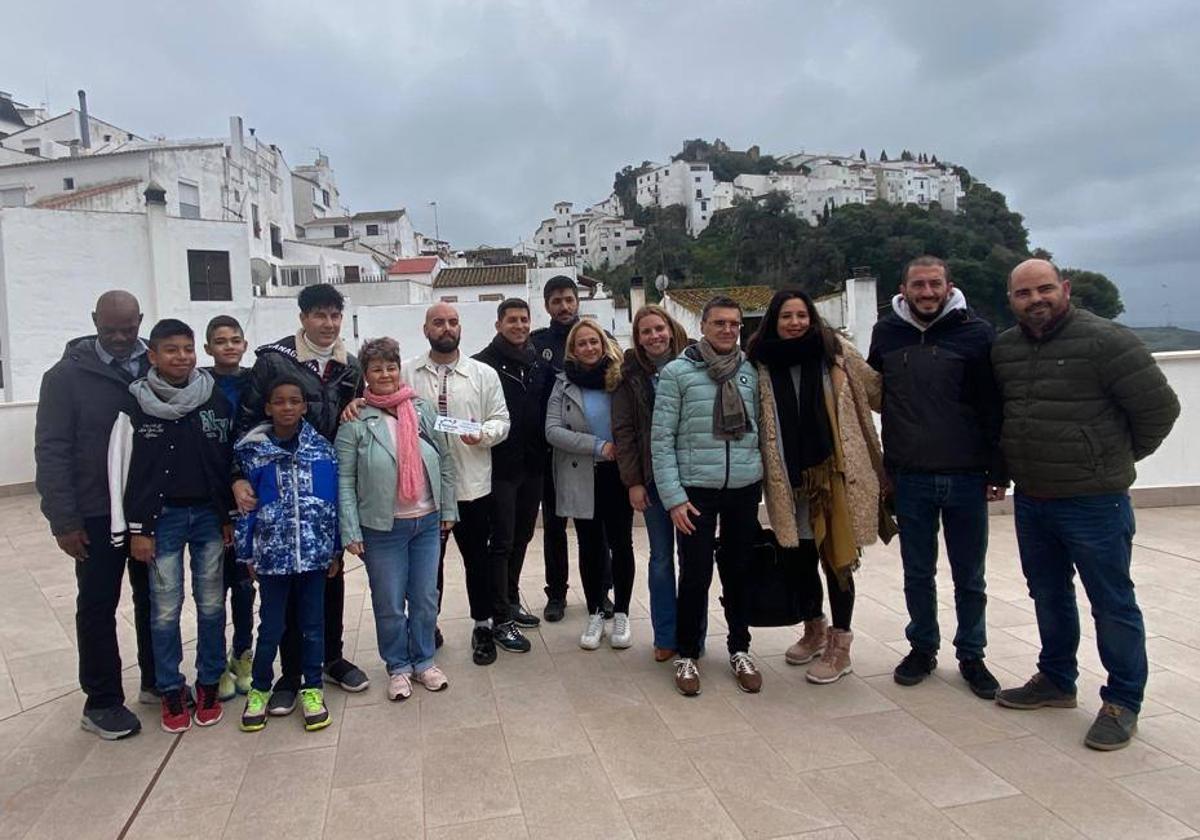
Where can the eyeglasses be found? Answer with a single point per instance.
(727, 325)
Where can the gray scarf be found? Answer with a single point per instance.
(729, 412)
(161, 399)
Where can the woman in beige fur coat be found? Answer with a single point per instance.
(822, 466)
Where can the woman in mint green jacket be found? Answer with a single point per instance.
(395, 496)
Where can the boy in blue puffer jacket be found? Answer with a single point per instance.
(288, 542)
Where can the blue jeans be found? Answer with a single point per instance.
(199, 529)
(241, 602)
(273, 591)
(1094, 535)
(661, 574)
(402, 567)
(959, 499)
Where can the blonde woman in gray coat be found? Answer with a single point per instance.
(587, 481)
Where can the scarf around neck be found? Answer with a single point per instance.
(410, 469)
(523, 355)
(804, 427)
(729, 412)
(592, 378)
(159, 398)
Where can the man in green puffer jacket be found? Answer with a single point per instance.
(704, 448)
(1083, 401)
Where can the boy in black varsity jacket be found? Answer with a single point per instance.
(170, 462)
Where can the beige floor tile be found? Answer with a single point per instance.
(469, 702)
(1083, 799)
(1176, 692)
(466, 776)
(539, 721)
(569, 796)
(758, 789)
(934, 767)
(501, 828)
(1013, 816)
(836, 833)
(206, 769)
(185, 824)
(378, 743)
(709, 713)
(950, 710)
(874, 803)
(283, 795)
(23, 804)
(384, 809)
(693, 814)
(848, 696)
(640, 755)
(804, 743)
(1174, 734)
(1165, 652)
(1176, 791)
(91, 808)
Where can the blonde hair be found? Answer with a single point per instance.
(612, 376)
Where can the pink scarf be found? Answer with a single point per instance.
(411, 469)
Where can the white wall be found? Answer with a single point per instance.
(17, 421)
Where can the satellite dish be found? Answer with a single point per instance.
(661, 283)
(260, 271)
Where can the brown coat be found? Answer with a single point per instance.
(632, 411)
(856, 388)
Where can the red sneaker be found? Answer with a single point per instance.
(175, 717)
(208, 704)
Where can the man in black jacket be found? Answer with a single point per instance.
(331, 377)
(517, 464)
(80, 399)
(941, 430)
(561, 296)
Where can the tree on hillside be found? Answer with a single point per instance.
(862, 154)
(883, 156)
(906, 155)
(1094, 292)
(625, 187)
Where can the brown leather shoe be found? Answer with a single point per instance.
(748, 678)
(687, 677)
(811, 644)
(835, 661)
(663, 654)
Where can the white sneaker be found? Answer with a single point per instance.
(593, 633)
(399, 687)
(622, 636)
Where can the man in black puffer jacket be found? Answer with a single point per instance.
(332, 378)
(517, 462)
(941, 429)
(1083, 401)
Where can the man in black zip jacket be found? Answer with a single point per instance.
(517, 463)
(941, 431)
(80, 399)
(561, 296)
(331, 378)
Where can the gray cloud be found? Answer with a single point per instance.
(1085, 114)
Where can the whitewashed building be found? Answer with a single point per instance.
(599, 237)
(314, 193)
(388, 233)
(680, 182)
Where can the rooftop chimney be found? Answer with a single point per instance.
(236, 137)
(85, 134)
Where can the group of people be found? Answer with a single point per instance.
(269, 474)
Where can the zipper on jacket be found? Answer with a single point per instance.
(726, 484)
(296, 509)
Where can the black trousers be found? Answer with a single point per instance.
(554, 541)
(513, 520)
(99, 592)
(737, 512)
(606, 540)
(471, 536)
(290, 644)
(808, 572)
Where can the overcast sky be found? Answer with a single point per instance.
(1085, 114)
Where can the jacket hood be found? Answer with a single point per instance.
(259, 439)
(956, 302)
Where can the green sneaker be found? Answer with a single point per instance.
(254, 717)
(316, 716)
(240, 668)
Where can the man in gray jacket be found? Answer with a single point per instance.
(707, 467)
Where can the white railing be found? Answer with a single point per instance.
(1175, 464)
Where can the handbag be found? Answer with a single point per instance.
(773, 597)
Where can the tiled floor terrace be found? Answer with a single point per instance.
(560, 743)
